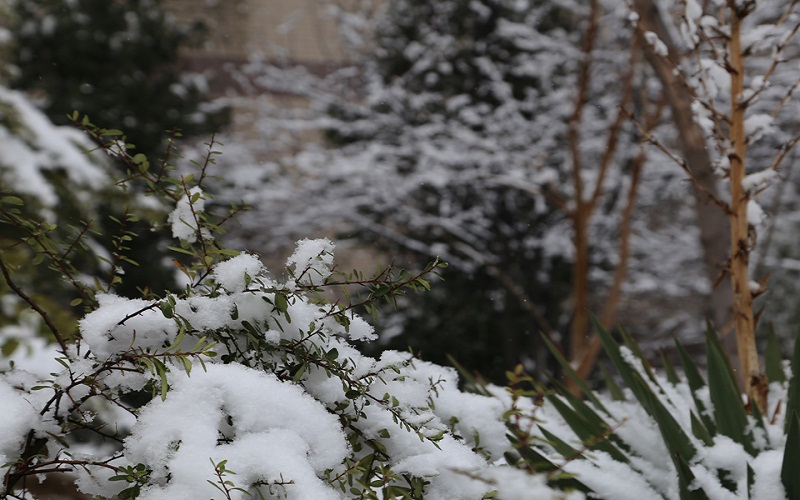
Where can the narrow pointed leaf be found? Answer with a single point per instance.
(572, 374)
(696, 384)
(773, 358)
(535, 460)
(669, 370)
(699, 430)
(611, 385)
(685, 480)
(791, 458)
(729, 413)
(558, 444)
(674, 437)
(793, 396)
(588, 425)
(631, 344)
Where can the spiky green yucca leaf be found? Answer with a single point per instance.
(793, 396)
(669, 370)
(700, 431)
(773, 358)
(611, 385)
(590, 430)
(676, 440)
(696, 384)
(532, 458)
(570, 372)
(538, 463)
(690, 370)
(562, 447)
(631, 344)
(791, 457)
(729, 412)
(685, 480)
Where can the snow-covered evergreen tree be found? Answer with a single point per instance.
(455, 143)
(113, 61)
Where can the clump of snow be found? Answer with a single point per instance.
(756, 216)
(659, 47)
(19, 416)
(360, 330)
(312, 261)
(119, 324)
(759, 125)
(266, 429)
(186, 217)
(760, 180)
(35, 146)
(232, 275)
(767, 467)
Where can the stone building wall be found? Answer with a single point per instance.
(286, 32)
(301, 31)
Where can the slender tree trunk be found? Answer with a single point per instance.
(582, 211)
(743, 318)
(580, 285)
(713, 223)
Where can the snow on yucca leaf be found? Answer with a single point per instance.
(672, 435)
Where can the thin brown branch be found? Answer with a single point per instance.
(32, 303)
(614, 295)
(582, 211)
(683, 164)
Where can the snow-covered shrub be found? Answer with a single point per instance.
(664, 435)
(241, 384)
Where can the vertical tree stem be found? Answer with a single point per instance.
(740, 245)
(582, 211)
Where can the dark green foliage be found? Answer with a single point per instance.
(463, 124)
(473, 316)
(114, 61)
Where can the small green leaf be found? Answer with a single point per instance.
(11, 200)
(167, 310)
(281, 302)
(299, 372)
(9, 347)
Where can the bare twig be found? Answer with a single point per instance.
(41, 312)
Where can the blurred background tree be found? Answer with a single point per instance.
(115, 61)
(449, 136)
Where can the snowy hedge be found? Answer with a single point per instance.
(242, 383)
(249, 384)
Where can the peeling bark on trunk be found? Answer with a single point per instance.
(712, 222)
